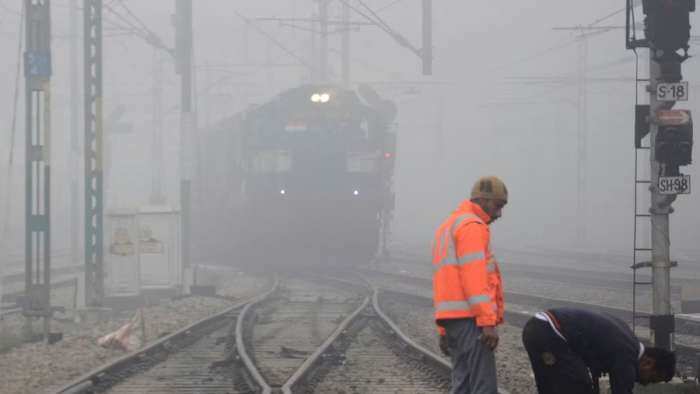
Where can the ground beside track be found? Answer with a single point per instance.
(36, 367)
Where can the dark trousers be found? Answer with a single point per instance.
(473, 363)
(557, 368)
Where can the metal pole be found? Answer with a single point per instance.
(313, 73)
(183, 12)
(440, 128)
(323, 56)
(346, 45)
(94, 193)
(74, 153)
(269, 74)
(582, 141)
(157, 196)
(427, 50)
(660, 240)
(37, 71)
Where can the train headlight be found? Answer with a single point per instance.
(283, 192)
(356, 193)
(321, 98)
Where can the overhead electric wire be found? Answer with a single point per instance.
(393, 3)
(105, 19)
(275, 41)
(401, 40)
(139, 28)
(602, 19)
(366, 16)
(377, 17)
(133, 16)
(570, 42)
(122, 18)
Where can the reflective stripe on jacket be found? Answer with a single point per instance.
(466, 277)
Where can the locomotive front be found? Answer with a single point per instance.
(318, 164)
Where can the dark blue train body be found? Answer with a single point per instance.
(306, 177)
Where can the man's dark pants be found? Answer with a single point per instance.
(473, 363)
(557, 368)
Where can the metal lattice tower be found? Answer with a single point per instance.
(94, 196)
(37, 71)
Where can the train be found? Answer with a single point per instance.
(306, 177)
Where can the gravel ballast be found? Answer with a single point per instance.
(37, 367)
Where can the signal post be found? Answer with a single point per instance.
(667, 34)
(37, 206)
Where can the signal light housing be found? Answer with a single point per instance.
(674, 143)
(667, 27)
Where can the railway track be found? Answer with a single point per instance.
(567, 269)
(281, 332)
(194, 359)
(299, 336)
(684, 325)
(613, 281)
(370, 353)
(312, 338)
(521, 307)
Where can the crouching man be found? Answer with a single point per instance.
(570, 349)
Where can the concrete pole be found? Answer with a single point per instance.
(313, 73)
(345, 44)
(440, 128)
(323, 55)
(427, 50)
(582, 142)
(660, 240)
(183, 11)
(157, 196)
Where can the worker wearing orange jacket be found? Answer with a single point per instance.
(467, 289)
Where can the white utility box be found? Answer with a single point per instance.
(159, 248)
(121, 258)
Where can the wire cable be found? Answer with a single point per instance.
(275, 41)
(377, 17)
(568, 43)
(401, 40)
(133, 16)
(366, 16)
(393, 3)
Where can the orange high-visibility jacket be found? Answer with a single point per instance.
(466, 278)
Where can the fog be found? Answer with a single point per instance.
(506, 98)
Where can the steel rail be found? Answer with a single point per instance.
(687, 355)
(87, 381)
(684, 326)
(427, 354)
(240, 344)
(434, 358)
(310, 362)
(315, 358)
